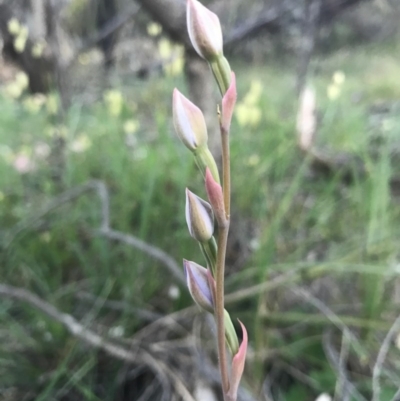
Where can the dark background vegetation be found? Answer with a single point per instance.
(92, 178)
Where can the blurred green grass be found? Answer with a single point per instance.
(128, 142)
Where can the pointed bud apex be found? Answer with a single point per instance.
(230, 334)
(228, 104)
(197, 278)
(306, 119)
(189, 122)
(216, 198)
(238, 362)
(204, 30)
(199, 217)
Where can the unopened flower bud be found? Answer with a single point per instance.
(204, 30)
(199, 217)
(189, 122)
(198, 281)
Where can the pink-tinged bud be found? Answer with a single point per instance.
(238, 362)
(228, 104)
(204, 30)
(216, 198)
(199, 217)
(197, 278)
(189, 122)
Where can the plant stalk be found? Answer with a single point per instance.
(223, 230)
(219, 305)
(226, 172)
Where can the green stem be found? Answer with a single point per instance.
(226, 172)
(219, 304)
(223, 230)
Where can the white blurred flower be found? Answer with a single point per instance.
(333, 92)
(38, 49)
(42, 150)
(306, 120)
(154, 29)
(174, 292)
(13, 26)
(22, 79)
(324, 397)
(117, 331)
(80, 144)
(23, 164)
(131, 126)
(339, 77)
(203, 392)
(20, 40)
(114, 101)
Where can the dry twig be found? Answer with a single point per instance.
(94, 340)
(380, 359)
(336, 363)
(105, 230)
(341, 389)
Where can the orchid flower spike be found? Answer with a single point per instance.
(199, 217)
(189, 122)
(198, 281)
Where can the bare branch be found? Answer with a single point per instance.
(65, 197)
(396, 397)
(89, 337)
(341, 389)
(113, 25)
(72, 325)
(268, 20)
(329, 313)
(380, 359)
(100, 188)
(120, 306)
(335, 362)
(151, 250)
